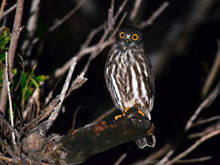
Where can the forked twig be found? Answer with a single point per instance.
(157, 13)
(211, 97)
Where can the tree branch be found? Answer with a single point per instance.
(77, 145)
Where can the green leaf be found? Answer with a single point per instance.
(41, 78)
(2, 57)
(4, 39)
(23, 80)
(28, 93)
(37, 85)
(15, 71)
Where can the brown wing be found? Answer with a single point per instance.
(110, 87)
(150, 80)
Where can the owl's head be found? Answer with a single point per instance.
(129, 37)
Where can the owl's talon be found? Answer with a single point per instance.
(123, 114)
(126, 109)
(135, 105)
(142, 113)
(118, 116)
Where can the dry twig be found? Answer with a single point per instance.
(9, 96)
(194, 146)
(212, 74)
(157, 13)
(208, 101)
(56, 110)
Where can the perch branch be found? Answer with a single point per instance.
(77, 145)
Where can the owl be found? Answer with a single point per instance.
(129, 76)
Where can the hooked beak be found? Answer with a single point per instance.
(127, 41)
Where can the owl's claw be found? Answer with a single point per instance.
(117, 117)
(125, 111)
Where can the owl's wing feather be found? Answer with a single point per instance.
(151, 83)
(111, 90)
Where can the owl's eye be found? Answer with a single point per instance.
(122, 35)
(134, 37)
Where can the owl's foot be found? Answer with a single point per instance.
(139, 111)
(126, 109)
(119, 116)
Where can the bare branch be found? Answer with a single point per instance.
(156, 14)
(56, 110)
(12, 48)
(96, 49)
(200, 122)
(9, 96)
(212, 74)
(135, 10)
(9, 10)
(122, 157)
(203, 105)
(31, 24)
(202, 159)
(66, 17)
(2, 8)
(194, 146)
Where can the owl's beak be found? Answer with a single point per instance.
(127, 41)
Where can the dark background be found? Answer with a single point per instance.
(178, 86)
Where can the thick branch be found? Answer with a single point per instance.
(77, 145)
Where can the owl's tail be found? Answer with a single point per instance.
(149, 141)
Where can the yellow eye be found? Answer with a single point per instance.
(134, 37)
(122, 35)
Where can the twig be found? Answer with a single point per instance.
(9, 96)
(6, 159)
(56, 110)
(122, 157)
(9, 126)
(196, 144)
(31, 24)
(2, 8)
(79, 55)
(12, 48)
(206, 121)
(23, 70)
(59, 22)
(203, 105)
(202, 159)
(9, 10)
(74, 117)
(96, 52)
(135, 10)
(96, 49)
(156, 155)
(212, 74)
(154, 15)
(15, 34)
(207, 130)
(166, 157)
